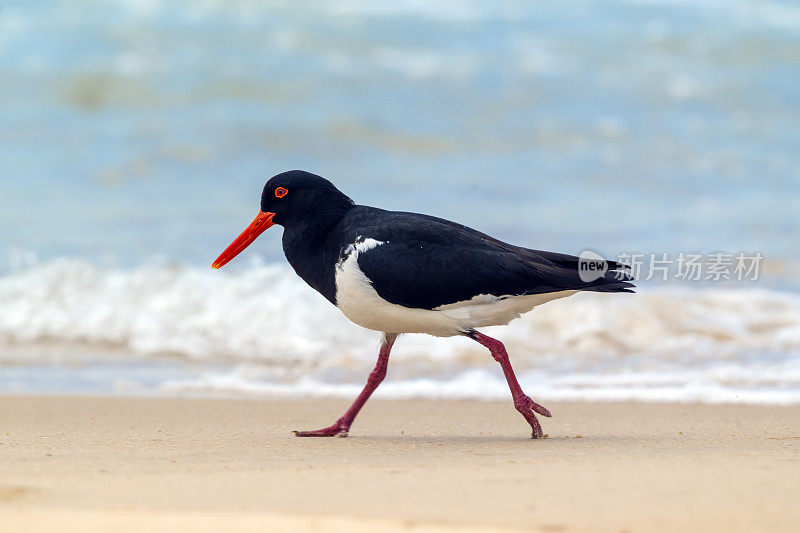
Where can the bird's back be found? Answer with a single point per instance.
(421, 261)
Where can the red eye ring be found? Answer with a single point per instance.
(280, 192)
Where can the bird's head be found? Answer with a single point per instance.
(291, 199)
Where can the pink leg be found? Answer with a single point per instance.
(523, 403)
(342, 426)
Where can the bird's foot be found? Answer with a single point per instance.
(527, 407)
(336, 430)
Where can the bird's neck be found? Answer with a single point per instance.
(311, 231)
(311, 250)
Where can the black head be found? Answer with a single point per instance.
(299, 197)
(301, 202)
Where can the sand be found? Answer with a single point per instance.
(100, 464)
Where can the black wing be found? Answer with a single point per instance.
(426, 262)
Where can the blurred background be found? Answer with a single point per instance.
(135, 137)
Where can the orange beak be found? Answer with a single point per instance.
(256, 228)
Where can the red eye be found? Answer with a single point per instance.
(280, 192)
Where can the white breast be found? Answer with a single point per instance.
(358, 300)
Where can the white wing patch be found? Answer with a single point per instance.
(361, 245)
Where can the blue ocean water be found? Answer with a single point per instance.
(135, 136)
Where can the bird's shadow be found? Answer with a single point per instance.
(452, 439)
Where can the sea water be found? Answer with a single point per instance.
(135, 137)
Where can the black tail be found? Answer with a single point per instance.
(614, 279)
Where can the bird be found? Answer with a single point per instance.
(399, 272)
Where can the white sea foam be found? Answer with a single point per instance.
(486, 384)
(265, 332)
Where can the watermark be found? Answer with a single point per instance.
(685, 266)
(591, 266)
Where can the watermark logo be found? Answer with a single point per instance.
(591, 266)
(685, 266)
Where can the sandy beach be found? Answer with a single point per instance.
(90, 464)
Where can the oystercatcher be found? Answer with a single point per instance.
(397, 272)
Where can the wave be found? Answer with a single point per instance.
(273, 334)
(719, 385)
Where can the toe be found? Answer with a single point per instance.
(540, 410)
(333, 431)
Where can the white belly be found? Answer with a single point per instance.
(358, 300)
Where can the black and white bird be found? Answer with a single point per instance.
(398, 272)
